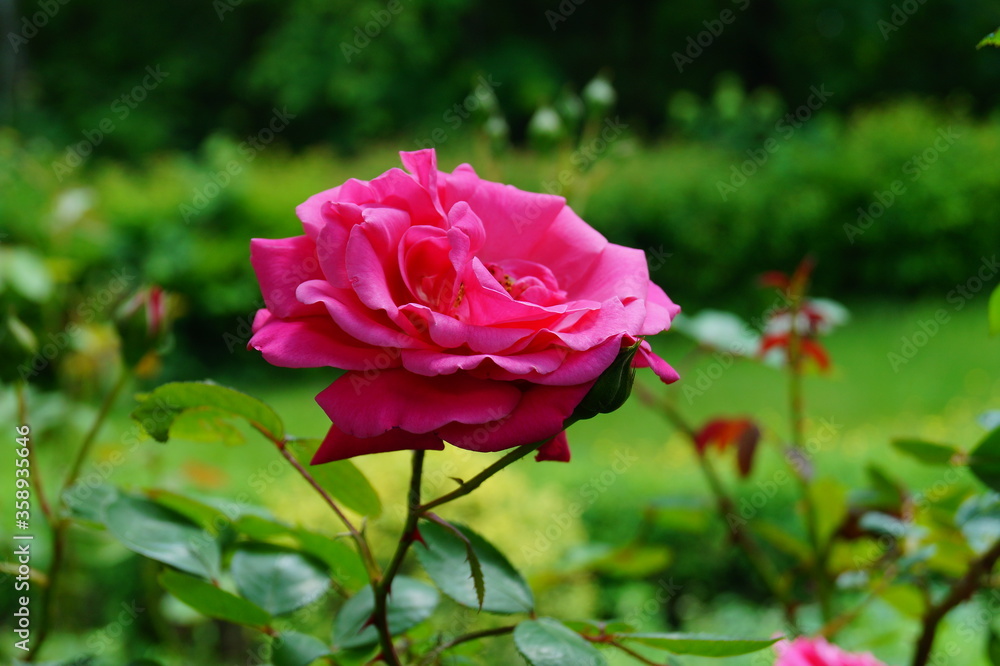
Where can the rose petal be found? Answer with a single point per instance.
(660, 311)
(366, 406)
(281, 266)
(556, 449)
(313, 342)
(647, 359)
(423, 165)
(540, 415)
(338, 445)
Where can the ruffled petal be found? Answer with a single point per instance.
(313, 342)
(281, 266)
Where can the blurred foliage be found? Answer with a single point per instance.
(183, 221)
(353, 70)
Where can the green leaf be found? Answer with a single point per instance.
(548, 642)
(279, 580)
(446, 561)
(341, 559)
(928, 453)
(27, 274)
(158, 410)
(984, 460)
(992, 39)
(342, 479)
(88, 503)
(700, 645)
(829, 498)
(163, 535)
(291, 648)
(475, 566)
(206, 424)
(778, 537)
(994, 306)
(979, 520)
(410, 603)
(204, 515)
(213, 602)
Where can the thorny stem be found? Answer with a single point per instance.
(467, 487)
(961, 590)
(381, 588)
(727, 508)
(359, 539)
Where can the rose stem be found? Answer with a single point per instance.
(381, 588)
(359, 539)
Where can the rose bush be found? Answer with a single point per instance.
(817, 652)
(461, 309)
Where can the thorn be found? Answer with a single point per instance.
(417, 536)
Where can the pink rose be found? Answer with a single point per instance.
(817, 652)
(462, 310)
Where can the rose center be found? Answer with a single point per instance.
(528, 281)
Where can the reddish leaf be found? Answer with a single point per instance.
(800, 278)
(815, 350)
(724, 433)
(775, 279)
(769, 342)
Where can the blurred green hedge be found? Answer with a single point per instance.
(705, 246)
(351, 70)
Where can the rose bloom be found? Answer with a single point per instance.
(462, 310)
(817, 652)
